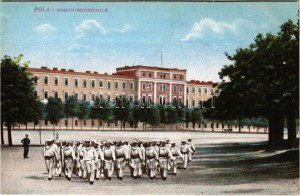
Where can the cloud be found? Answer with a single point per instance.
(77, 48)
(45, 28)
(2, 15)
(209, 25)
(126, 28)
(90, 25)
(96, 27)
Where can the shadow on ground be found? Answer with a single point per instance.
(234, 163)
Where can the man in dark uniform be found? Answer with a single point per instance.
(26, 142)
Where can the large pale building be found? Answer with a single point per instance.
(139, 82)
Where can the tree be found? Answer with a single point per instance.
(196, 116)
(83, 111)
(263, 81)
(180, 115)
(54, 111)
(71, 108)
(162, 115)
(122, 110)
(153, 114)
(17, 93)
(188, 116)
(172, 116)
(134, 116)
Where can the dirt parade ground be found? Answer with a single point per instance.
(224, 163)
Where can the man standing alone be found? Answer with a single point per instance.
(26, 142)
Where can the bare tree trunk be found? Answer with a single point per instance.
(9, 134)
(291, 125)
(53, 132)
(2, 132)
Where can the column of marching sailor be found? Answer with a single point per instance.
(95, 159)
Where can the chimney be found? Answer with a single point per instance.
(71, 70)
(88, 72)
(63, 69)
(55, 69)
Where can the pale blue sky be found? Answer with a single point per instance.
(190, 35)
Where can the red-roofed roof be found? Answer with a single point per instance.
(149, 67)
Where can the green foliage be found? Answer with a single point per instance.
(18, 101)
(263, 81)
(153, 114)
(54, 110)
(71, 107)
(83, 110)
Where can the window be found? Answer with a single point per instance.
(66, 81)
(193, 89)
(108, 84)
(84, 83)
(205, 91)
(101, 84)
(45, 94)
(163, 87)
(199, 90)
(76, 82)
(162, 100)
(66, 95)
(144, 86)
(84, 97)
(84, 122)
(174, 88)
(149, 99)
(56, 94)
(144, 99)
(35, 81)
(93, 83)
(144, 74)
(56, 80)
(76, 122)
(116, 85)
(124, 85)
(180, 101)
(194, 103)
(181, 77)
(76, 95)
(212, 91)
(162, 75)
(92, 97)
(131, 86)
(180, 89)
(174, 76)
(149, 87)
(187, 89)
(150, 75)
(46, 80)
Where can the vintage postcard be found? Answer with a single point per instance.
(150, 98)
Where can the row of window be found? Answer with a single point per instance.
(162, 87)
(162, 75)
(76, 95)
(84, 83)
(200, 90)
